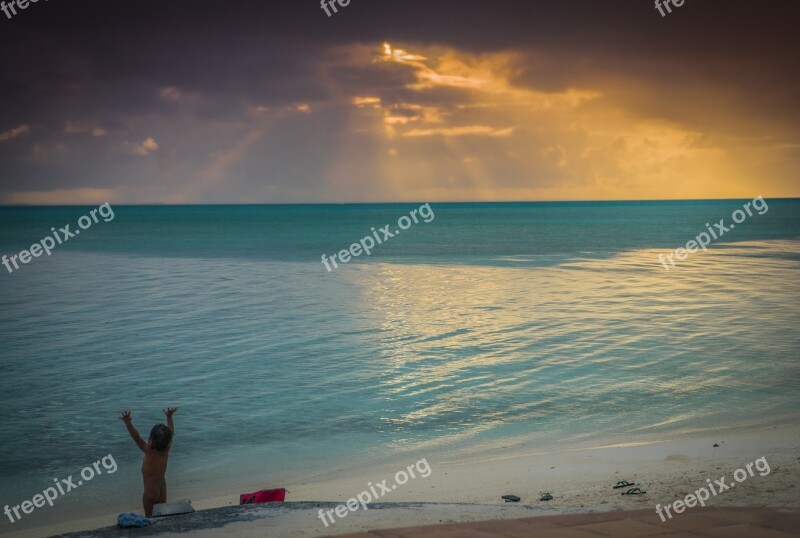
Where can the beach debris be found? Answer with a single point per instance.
(623, 484)
(634, 491)
(716, 445)
(129, 520)
(545, 496)
(510, 498)
(184, 506)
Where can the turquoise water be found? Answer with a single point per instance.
(545, 323)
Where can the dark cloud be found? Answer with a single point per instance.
(204, 78)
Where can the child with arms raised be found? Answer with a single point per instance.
(156, 454)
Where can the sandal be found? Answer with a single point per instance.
(634, 491)
(623, 484)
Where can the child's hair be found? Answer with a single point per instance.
(160, 436)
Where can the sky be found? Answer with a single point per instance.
(196, 101)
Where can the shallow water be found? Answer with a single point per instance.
(492, 324)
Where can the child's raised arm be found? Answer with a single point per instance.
(126, 418)
(169, 411)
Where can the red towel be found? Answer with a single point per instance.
(263, 496)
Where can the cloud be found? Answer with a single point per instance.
(143, 148)
(77, 128)
(365, 101)
(518, 100)
(469, 130)
(60, 196)
(171, 93)
(15, 132)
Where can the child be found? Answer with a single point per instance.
(156, 453)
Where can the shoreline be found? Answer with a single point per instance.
(579, 479)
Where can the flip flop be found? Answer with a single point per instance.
(545, 496)
(510, 498)
(623, 484)
(634, 491)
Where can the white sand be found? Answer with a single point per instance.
(579, 479)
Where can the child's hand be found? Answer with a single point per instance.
(169, 411)
(126, 416)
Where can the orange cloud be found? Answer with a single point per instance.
(15, 132)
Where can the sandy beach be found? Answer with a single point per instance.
(469, 488)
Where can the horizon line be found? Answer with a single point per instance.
(199, 204)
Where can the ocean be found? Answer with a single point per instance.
(551, 324)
